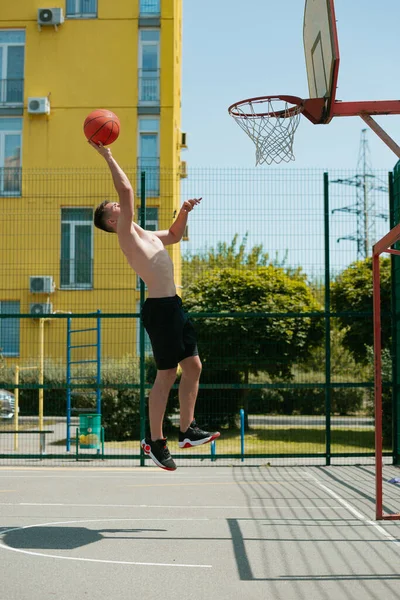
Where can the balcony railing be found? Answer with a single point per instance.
(149, 86)
(11, 92)
(151, 167)
(10, 181)
(150, 8)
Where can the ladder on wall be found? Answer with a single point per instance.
(90, 339)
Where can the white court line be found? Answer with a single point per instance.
(151, 476)
(155, 473)
(96, 560)
(356, 512)
(167, 506)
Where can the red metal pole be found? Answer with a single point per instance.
(370, 107)
(378, 382)
(381, 133)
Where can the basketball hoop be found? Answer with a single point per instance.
(271, 122)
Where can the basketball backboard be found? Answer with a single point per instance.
(321, 51)
(271, 121)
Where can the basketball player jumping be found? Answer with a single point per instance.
(171, 333)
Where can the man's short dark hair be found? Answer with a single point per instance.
(100, 217)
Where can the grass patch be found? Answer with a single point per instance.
(276, 440)
(25, 424)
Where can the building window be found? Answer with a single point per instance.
(10, 156)
(149, 66)
(148, 154)
(76, 269)
(151, 225)
(12, 51)
(150, 8)
(9, 329)
(81, 9)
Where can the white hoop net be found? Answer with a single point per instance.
(271, 124)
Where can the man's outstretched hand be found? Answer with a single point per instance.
(106, 152)
(189, 205)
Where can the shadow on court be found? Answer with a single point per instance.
(66, 538)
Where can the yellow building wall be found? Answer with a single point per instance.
(83, 65)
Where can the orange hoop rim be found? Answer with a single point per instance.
(294, 110)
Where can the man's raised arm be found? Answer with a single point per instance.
(121, 183)
(175, 232)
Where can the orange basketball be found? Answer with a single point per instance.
(101, 126)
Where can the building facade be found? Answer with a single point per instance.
(58, 62)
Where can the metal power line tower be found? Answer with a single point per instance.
(364, 208)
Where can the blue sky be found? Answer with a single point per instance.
(233, 50)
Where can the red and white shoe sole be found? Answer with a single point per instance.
(147, 450)
(191, 444)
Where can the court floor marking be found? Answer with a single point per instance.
(360, 516)
(167, 506)
(96, 560)
(287, 479)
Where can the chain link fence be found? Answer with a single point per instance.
(274, 270)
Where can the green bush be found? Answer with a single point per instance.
(218, 407)
(346, 401)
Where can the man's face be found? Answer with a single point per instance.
(113, 210)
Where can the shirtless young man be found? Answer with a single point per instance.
(171, 333)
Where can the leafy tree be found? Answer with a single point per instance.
(240, 345)
(352, 291)
(227, 256)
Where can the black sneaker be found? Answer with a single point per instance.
(159, 452)
(194, 436)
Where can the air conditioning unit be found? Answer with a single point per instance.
(183, 172)
(183, 140)
(41, 284)
(39, 309)
(50, 16)
(39, 106)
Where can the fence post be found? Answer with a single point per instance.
(142, 402)
(394, 210)
(68, 434)
(98, 364)
(242, 433)
(327, 325)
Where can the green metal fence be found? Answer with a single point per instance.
(282, 308)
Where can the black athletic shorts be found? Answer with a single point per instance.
(170, 330)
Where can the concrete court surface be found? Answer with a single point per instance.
(198, 533)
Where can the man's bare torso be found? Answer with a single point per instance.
(147, 256)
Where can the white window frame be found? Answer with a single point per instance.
(150, 131)
(142, 131)
(73, 285)
(143, 71)
(78, 14)
(4, 46)
(143, 43)
(3, 133)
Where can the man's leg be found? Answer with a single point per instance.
(188, 389)
(156, 446)
(190, 434)
(158, 399)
